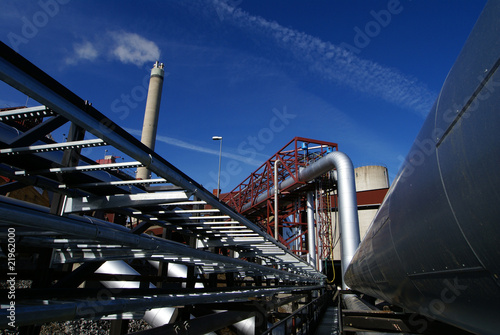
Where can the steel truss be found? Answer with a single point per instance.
(99, 214)
(255, 196)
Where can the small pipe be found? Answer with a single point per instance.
(276, 191)
(317, 230)
(220, 161)
(310, 229)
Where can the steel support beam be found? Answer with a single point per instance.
(53, 147)
(81, 168)
(123, 200)
(26, 113)
(34, 134)
(27, 78)
(11, 187)
(12, 213)
(117, 183)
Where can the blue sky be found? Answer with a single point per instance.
(362, 74)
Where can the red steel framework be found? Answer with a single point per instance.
(254, 197)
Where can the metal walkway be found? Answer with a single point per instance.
(329, 323)
(233, 258)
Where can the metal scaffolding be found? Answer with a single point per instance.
(98, 214)
(281, 185)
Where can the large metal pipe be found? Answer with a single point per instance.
(433, 246)
(150, 125)
(311, 244)
(18, 213)
(348, 207)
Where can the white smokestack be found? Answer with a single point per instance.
(151, 114)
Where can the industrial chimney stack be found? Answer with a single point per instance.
(151, 114)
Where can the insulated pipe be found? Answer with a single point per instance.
(348, 208)
(311, 244)
(434, 240)
(12, 211)
(150, 125)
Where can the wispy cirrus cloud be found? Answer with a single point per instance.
(185, 145)
(126, 47)
(332, 62)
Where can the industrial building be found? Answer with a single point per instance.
(305, 241)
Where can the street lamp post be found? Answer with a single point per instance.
(218, 138)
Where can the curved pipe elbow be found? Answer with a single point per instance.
(348, 207)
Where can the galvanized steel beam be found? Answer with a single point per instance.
(122, 200)
(53, 147)
(24, 76)
(26, 113)
(81, 168)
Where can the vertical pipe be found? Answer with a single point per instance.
(296, 229)
(276, 191)
(348, 211)
(220, 161)
(348, 208)
(310, 229)
(317, 228)
(150, 125)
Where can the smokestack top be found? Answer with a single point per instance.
(157, 70)
(158, 65)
